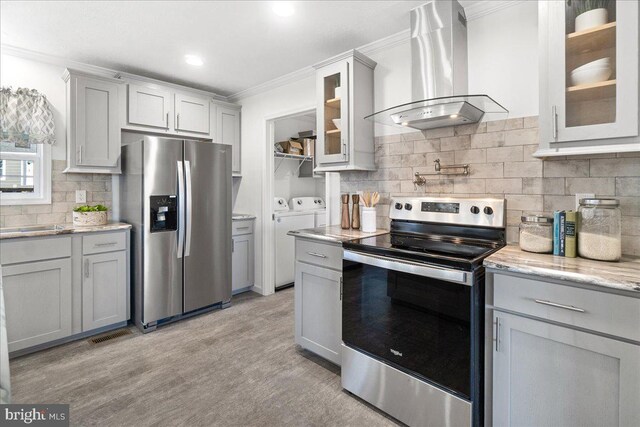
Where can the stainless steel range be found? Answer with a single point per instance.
(413, 307)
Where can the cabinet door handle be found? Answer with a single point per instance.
(177, 121)
(497, 334)
(316, 254)
(80, 155)
(233, 245)
(344, 148)
(341, 289)
(554, 121)
(86, 268)
(555, 304)
(106, 244)
(167, 120)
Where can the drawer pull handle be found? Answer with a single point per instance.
(555, 304)
(242, 228)
(316, 254)
(106, 244)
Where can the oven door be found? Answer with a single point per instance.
(413, 316)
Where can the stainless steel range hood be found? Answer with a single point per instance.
(439, 73)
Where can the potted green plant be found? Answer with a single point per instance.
(590, 13)
(90, 215)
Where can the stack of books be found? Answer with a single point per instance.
(564, 233)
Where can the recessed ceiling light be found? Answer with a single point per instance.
(283, 8)
(405, 123)
(454, 116)
(193, 60)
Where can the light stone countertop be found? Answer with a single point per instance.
(333, 233)
(57, 229)
(623, 275)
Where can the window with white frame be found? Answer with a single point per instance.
(25, 174)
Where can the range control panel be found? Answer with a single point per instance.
(459, 211)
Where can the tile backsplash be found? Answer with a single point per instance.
(63, 196)
(501, 165)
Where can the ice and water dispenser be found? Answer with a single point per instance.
(164, 213)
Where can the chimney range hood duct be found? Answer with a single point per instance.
(439, 73)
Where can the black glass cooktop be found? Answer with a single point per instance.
(453, 246)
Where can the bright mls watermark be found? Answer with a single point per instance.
(55, 415)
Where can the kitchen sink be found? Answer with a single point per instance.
(31, 228)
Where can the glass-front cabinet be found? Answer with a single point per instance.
(588, 76)
(333, 80)
(344, 97)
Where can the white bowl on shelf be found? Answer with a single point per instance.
(602, 62)
(590, 19)
(336, 123)
(593, 72)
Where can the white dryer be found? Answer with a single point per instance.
(311, 204)
(287, 220)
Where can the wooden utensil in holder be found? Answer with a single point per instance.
(355, 216)
(345, 224)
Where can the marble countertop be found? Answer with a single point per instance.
(623, 275)
(333, 233)
(52, 230)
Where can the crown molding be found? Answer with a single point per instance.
(100, 71)
(272, 84)
(367, 49)
(386, 43)
(484, 8)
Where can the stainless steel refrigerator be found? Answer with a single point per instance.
(177, 195)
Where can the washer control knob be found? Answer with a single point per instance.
(299, 202)
(408, 206)
(488, 210)
(398, 206)
(475, 210)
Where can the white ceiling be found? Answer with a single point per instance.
(243, 43)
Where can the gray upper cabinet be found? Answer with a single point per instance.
(149, 106)
(228, 132)
(344, 86)
(93, 136)
(588, 80)
(192, 113)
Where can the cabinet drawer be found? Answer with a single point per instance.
(26, 250)
(597, 311)
(241, 227)
(108, 242)
(321, 254)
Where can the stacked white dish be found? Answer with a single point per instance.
(593, 72)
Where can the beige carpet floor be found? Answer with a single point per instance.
(233, 367)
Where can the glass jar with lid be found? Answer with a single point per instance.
(599, 229)
(536, 234)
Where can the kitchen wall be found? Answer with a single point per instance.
(63, 196)
(47, 79)
(501, 165)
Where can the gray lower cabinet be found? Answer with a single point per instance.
(242, 258)
(37, 302)
(561, 355)
(58, 288)
(104, 290)
(318, 298)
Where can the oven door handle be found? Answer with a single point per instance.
(445, 274)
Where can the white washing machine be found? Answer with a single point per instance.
(302, 214)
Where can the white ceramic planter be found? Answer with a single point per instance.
(368, 219)
(591, 18)
(89, 218)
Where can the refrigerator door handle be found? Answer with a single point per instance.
(181, 213)
(187, 170)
